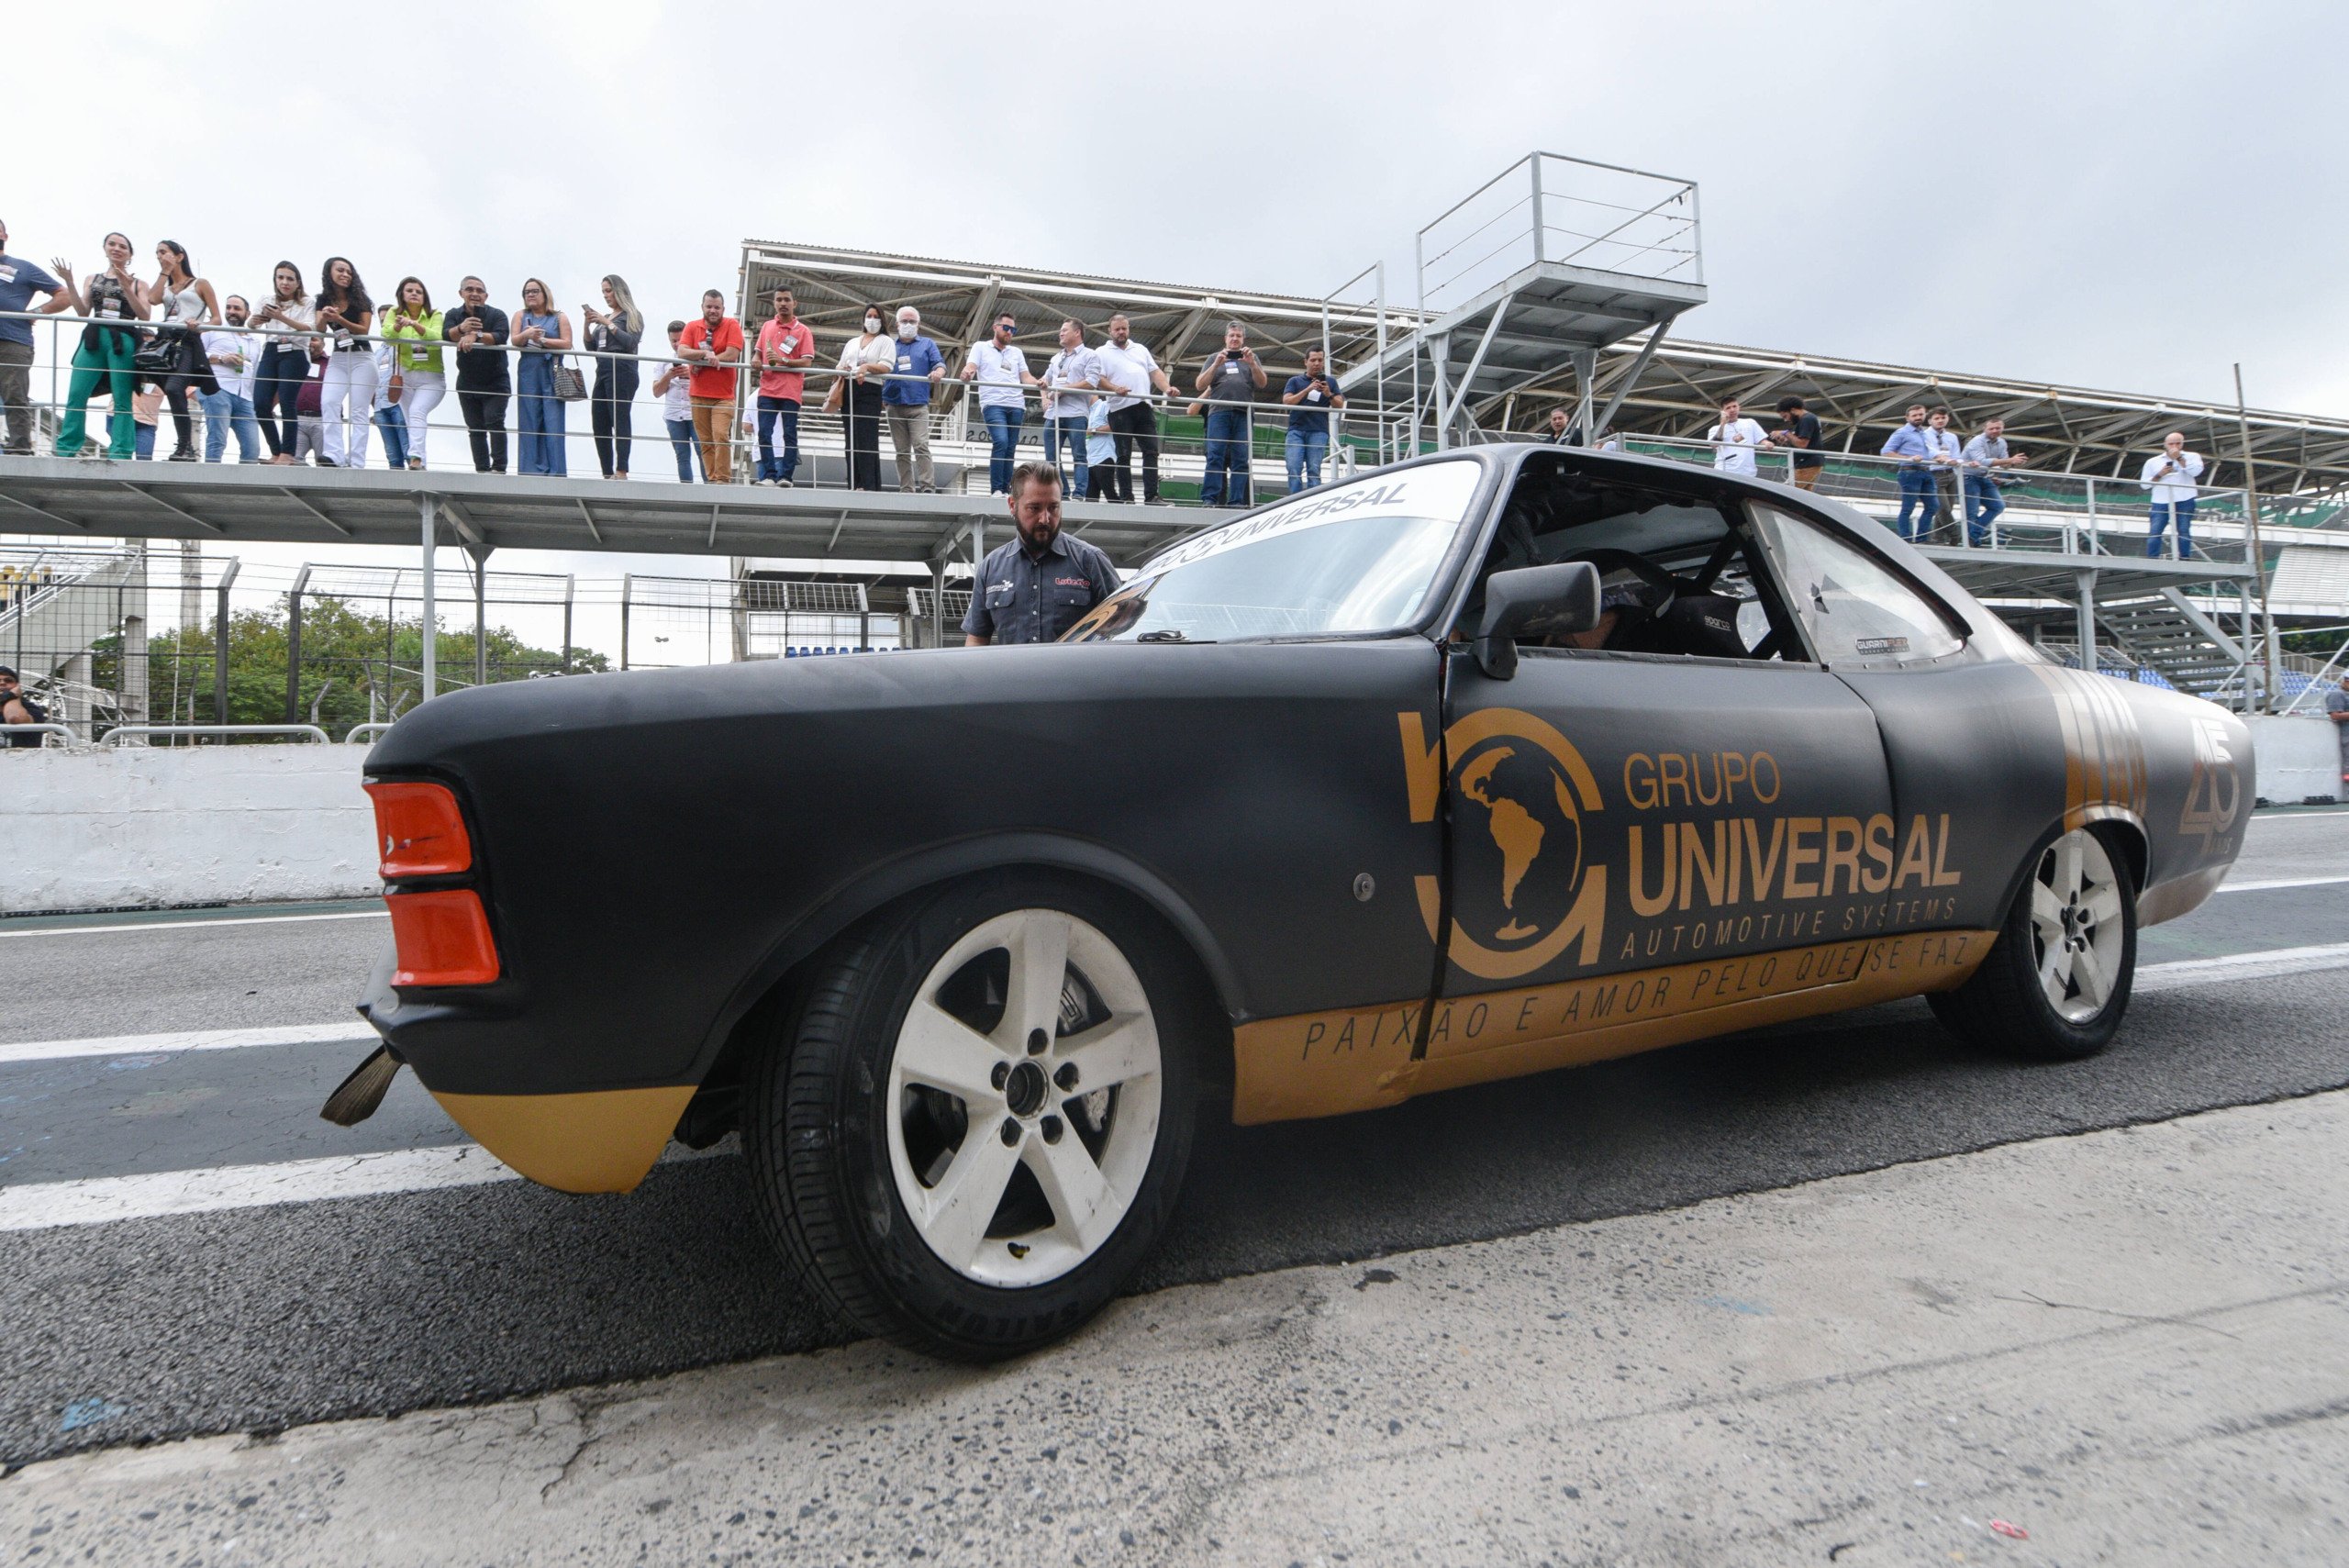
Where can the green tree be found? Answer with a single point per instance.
(356, 666)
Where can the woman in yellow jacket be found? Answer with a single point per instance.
(417, 384)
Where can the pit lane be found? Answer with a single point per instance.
(266, 1315)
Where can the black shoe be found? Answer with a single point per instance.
(182, 455)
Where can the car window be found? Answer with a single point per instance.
(1672, 560)
(1856, 609)
(1355, 557)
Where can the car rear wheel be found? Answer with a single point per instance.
(978, 1125)
(2057, 980)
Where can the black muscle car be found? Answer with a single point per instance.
(1485, 764)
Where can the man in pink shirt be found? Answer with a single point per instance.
(786, 348)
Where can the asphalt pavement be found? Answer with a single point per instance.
(254, 1314)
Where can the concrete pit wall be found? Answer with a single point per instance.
(2299, 759)
(139, 826)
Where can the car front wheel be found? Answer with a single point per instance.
(977, 1128)
(2055, 984)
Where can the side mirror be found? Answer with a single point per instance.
(1534, 601)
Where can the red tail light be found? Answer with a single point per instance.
(419, 831)
(443, 939)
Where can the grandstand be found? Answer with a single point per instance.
(1557, 284)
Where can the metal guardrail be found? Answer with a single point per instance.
(368, 730)
(120, 731)
(63, 732)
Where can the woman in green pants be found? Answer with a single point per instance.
(104, 357)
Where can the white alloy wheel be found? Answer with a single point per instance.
(2077, 932)
(1024, 1095)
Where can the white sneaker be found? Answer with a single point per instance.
(782, 483)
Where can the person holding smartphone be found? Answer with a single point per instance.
(289, 316)
(1311, 398)
(347, 391)
(485, 384)
(1228, 383)
(112, 299)
(2170, 474)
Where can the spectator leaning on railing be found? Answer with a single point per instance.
(918, 368)
(19, 281)
(1913, 444)
(786, 348)
(2170, 474)
(713, 346)
(1799, 428)
(1131, 374)
(998, 368)
(1983, 457)
(1734, 438)
(1229, 381)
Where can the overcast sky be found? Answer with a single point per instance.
(2128, 196)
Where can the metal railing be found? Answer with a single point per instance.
(122, 732)
(63, 732)
(2071, 514)
(826, 442)
(1566, 211)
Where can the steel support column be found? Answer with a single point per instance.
(2086, 582)
(220, 645)
(431, 626)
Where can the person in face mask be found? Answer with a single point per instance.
(919, 367)
(864, 366)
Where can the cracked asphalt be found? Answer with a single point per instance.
(260, 1320)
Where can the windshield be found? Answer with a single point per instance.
(1346, 558)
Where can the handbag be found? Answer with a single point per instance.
(570, 386)
(160, 354)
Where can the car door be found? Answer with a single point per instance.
(1636, 839)
(1979, 746)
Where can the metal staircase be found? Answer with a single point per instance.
(56, 606)
(2170, 634)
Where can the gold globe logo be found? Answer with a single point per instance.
(1524, 890)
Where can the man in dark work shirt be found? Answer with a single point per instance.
(1040, 582)
(479, 330)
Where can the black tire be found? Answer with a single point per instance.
(2006, 1006)
(817, 1127)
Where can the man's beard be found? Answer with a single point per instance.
(1039, 536)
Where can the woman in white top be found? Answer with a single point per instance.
(865, 366)
(187, 303)
(285, 362)
(347, 391)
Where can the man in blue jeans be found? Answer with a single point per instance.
(1067, 392)
(1983, 456)
(1001, 369)
(1310, 397)
(1915, 447)
(234, 357)
(1228, 383)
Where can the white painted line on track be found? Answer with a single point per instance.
(2241, 966)
(43, 1205)
(353, 1031)
(192, 925)
(2272, 886)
